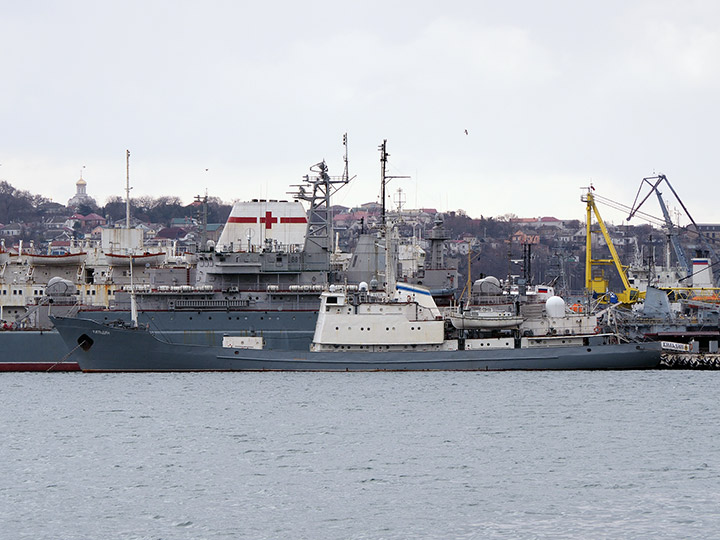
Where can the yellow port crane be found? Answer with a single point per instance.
(598, 284)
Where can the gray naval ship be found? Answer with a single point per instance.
(398, 330)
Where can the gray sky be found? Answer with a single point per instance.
(554, 95)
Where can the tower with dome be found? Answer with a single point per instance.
(81, 197)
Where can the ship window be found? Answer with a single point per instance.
(332, 300)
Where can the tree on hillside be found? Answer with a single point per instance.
(114, 208)
(17, 205)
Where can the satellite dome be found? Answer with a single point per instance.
(555, 306)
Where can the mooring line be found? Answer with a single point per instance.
(65, 357)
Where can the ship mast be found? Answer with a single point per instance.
(127, 189)
(317, 190)
(133, 299)
(386, 228)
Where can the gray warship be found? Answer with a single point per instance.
(362, 331)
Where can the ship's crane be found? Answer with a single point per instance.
(599, 284)
(654, 183)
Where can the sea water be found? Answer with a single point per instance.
(360, 455)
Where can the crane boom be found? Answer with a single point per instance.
(599, 285)
(672, 230)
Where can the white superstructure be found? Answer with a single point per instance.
(252, 225)
(372, 321)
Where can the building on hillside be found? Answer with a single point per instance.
(171, 233)
(711, 231)
(535, 223)
(12, 230)
(185, 221)
(81, 197)
(521, 238)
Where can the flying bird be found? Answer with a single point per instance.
(466, 132)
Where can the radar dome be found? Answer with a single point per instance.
(487, 285)
(555, 306)
(363, 286)
(58, 286)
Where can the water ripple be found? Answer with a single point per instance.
(360, 456)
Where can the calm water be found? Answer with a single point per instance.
(360, 455)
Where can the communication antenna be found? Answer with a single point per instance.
(384, 177)
(249, 234)
(400, 199)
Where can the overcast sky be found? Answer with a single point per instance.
(554, 95)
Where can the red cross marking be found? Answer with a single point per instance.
(268, 220)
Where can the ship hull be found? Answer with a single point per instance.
(121, 349)
(34, 350)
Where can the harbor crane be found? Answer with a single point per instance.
(598, 284)
(672, 230)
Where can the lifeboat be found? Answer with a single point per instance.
(116, 259)
(66, 259)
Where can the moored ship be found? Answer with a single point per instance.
(357, 331)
